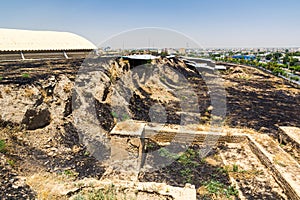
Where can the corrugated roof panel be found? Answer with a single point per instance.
(26, 40)
(142, 57)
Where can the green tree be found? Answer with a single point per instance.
(277, 56)
(286, 59)
(269, 57)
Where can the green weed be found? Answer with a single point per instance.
(11, 162)
(114, 114)
(235, 168)
(217, 188)
(25, 75)
(108, 194)
(2, 146)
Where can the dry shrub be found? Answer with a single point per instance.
(29, 92)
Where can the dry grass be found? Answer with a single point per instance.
(68, 87)
(8, 133)
(7, 90)
(159, 93)
(280, 159)
(243, 174)
(49, 185)
(29, 92)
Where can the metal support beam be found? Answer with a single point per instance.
(66, 56)
(22, 56)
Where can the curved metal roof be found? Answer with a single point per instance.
(26, 40)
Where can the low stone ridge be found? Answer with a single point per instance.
(292, 134)
(284, 168)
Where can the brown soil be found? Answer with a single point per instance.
(191, 168)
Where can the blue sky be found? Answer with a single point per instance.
(213, 23)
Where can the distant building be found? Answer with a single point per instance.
(172, 51)
(220, 67)
(182, 51)
(245, 57)
(25, 44)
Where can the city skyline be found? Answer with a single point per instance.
(211, 24)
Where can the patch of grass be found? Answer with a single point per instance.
(114, 114)
(108, 194)
(70, 173)
(219, 189)
(150, 146)
(11, 162)
(2, 146)
(25, 75)
(163, 152)
(86, 153)
(282, 145)
(188, 174)
(187, 158)
(231, 191)
(224, 170)
(235, 168)
(125, 117)
(214, 187)
(79, 197)
(1, 78)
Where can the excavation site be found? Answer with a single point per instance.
(146, 127)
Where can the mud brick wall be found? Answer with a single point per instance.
(289, 190)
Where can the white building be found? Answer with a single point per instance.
(25, 44)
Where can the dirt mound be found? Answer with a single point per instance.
(40, 127)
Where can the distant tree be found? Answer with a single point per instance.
(286, 59)
(271, 66)
(164, 53)
(277, 71)
(277, 55)
(242, 61)
(269, 57)
(258, 58)
(296, 53)
(293, 61)
(295, 68)
(231, 53)
(295, 78)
